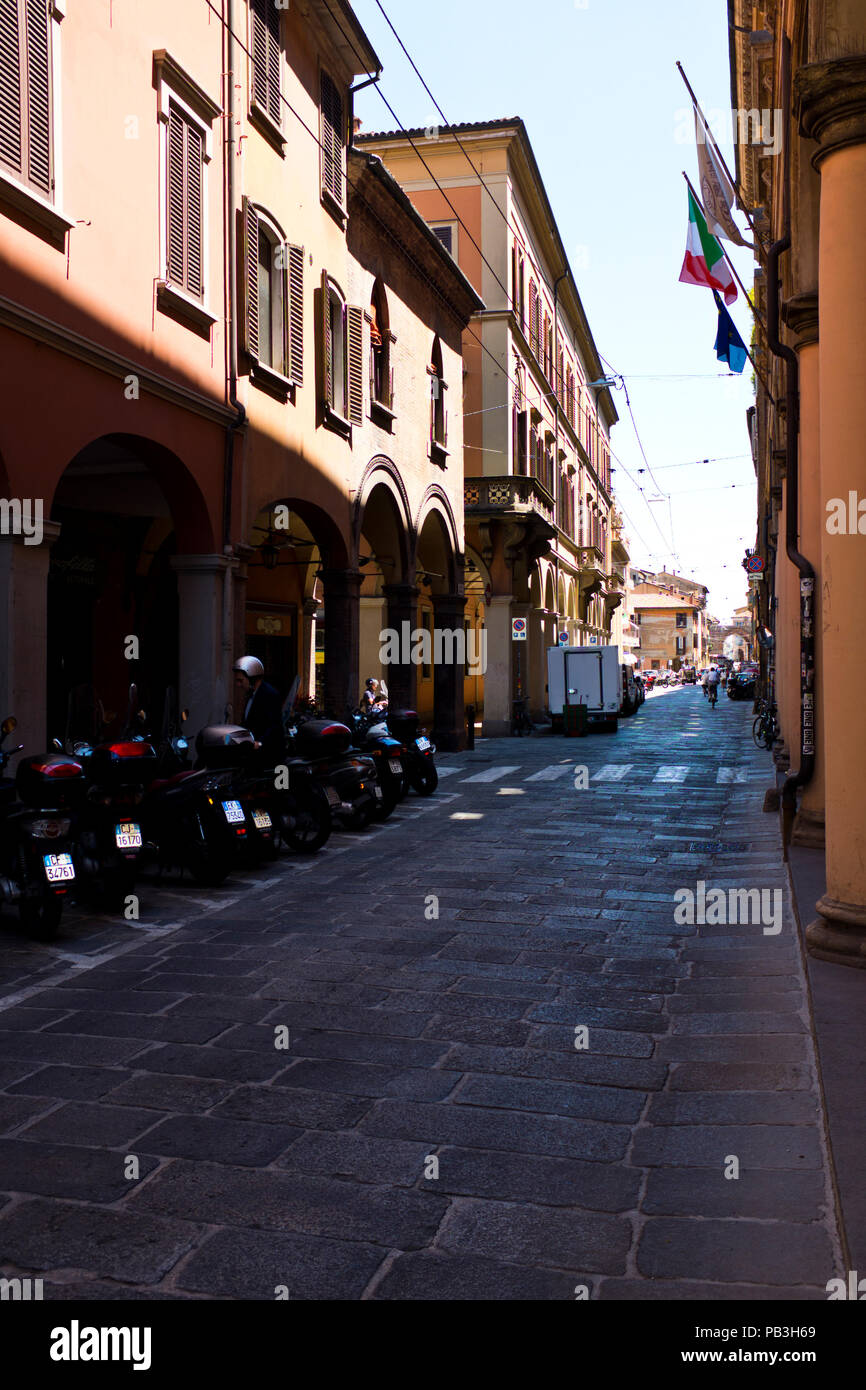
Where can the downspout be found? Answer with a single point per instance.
(803, 776)
(240, 419)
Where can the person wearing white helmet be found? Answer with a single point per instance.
(262, 713)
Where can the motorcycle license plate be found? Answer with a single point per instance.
(377, 792)
(127, 835)
(262, 820)
(234, 812)
(423, 745)
(396, 767)
(333, 796)
(58, 867)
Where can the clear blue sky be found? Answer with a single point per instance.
(597, 86)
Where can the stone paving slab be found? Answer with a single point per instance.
(437, 1126)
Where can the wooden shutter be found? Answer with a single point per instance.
(355, 359)
(39, 170)
(333, 139)
(296, 314)
(533, 317)
(11, 152)
(266, 58)
(176, 198)
(251, 280)
(185, 204)
(325, 336)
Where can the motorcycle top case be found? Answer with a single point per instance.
(322, 738)
(224, 745)
(51, 781)
(123, 764)
(404, 725)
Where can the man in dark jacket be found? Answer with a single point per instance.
(263, 709)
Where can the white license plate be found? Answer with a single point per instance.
(377, 792)
(234, 812)
(127, 835)
(58, 867)
(262, 820)
(423, 745)
(396, 767)
(334, 798)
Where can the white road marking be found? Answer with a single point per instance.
(552, 774)
(672, 774)
(447, 771)
(736, 774)
(613, 772)
(493, 774)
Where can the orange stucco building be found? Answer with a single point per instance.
(224, 332)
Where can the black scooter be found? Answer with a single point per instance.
(419, 754)
(348, 780)
(108, 828)
(37, 867)
(373, 738)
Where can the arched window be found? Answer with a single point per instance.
(381, 371)
(438, 387)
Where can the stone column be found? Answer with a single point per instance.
(205, 685)
(449, 611)
(498, 687)
(403, 609)
(24, 637)
(342, 640)
(538, 643)
(831, 101)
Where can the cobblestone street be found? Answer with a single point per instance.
(456, 1037)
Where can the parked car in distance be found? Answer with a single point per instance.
(743, 685)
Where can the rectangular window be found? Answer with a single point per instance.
(185, 203)
(265, 24)
(25, 93)
(333, 140)
(446, 232)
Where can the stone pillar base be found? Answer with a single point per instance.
(839, 934)
(809, 830)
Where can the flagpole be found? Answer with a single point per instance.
(733, 181)
(758, 318)
(733, 268)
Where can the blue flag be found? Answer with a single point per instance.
(730, 347)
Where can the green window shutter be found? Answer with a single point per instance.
(11, 87)
(355, 332)
(325, 344)
(176, 196)
(39, 164)
(296, 314)
(251, 280)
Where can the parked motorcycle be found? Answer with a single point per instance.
(109, 841)
(37, 867)
(348, 780)
(419, 753)
(374, 738)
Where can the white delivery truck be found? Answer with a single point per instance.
(590, 676)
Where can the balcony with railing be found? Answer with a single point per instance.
(508, 496)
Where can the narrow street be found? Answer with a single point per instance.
(162, 1137)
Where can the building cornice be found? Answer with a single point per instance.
(20, 319)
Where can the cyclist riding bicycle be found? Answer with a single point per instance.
(713, 685)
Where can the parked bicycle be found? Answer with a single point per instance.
(765, 730)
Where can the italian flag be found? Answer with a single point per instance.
(705, 262)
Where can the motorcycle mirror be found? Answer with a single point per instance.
(9, 725)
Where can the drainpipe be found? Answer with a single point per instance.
(240, 419)
(803, 776)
